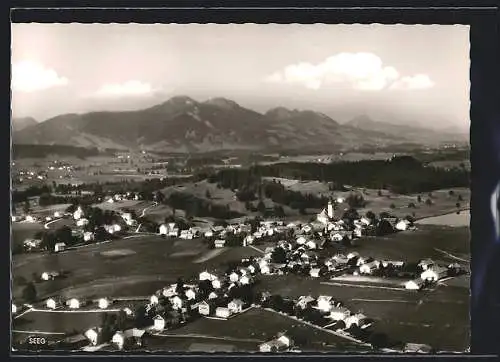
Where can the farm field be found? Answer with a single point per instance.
(21, 231)
(135, 266)
(57, 322)
(428, 241)
(259, 325)
(405, 315)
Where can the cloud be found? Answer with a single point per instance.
(360, 71)
(30, 76)
(419, 81)
(132, 88)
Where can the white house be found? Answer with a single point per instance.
(154, 299)
(186, 235)
(118, 339)
(219, 243)
(217, 284)
(128, 311)
(209, 233)
(52, 303)
(434, 273)
(205, 275)
(307, 229)
(176, 302)
(88, 236)
(190, 294)
(354, 319)
(104, 303)
(57, 214)
(213, 295)
(304, 301)
(265, 268)
(14, 308)
(314, 272)
(249, 239)
(368, 268)
(73, 303)
(234, 277)
(159, 323)
(49, 275)
(59, 247)
(163, 229)
(339, 313)
(82, 222)
(48, 218)
(245, 279)
(311, 244)
(235, 306)
(426, 264)
(204, 308)
(170, 291)
(78, 213)
(30, 218)
(93, 335)
(402, 225)
(414, 284)
(222, 312)
(324, 303)
(353, 254)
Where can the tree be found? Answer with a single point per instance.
(159, 197)
(419, 198)
(64, 235)
(371, 215)
(141, 318)
(412, 205)
(179, 288)
(451, 192)
(261, 207)
(207, 194)
(379, 193)
(457, 204)
(392, 206)
(26, 207)
(379, 340)
(428, 202)
(278, 255)
(460, 198)
(29, 293)
(356, 200)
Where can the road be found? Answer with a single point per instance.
(46, 226)
(146, 208)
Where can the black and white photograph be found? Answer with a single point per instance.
(245, 188)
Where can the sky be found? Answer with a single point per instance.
(405, 74)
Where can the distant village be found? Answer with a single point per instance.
(296, 249)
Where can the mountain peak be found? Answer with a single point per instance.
(280, 113)
(361, 120)
(222, 103)
(22, 123)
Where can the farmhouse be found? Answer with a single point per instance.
(339, 313)
(14, 308)
(304, 301)
(190, 294)
(414, 284)
(128, 338)
(352, 255)
(170, 291)
(159, 323)
(354, 319)
(245, 279)
(177, 302)
(205, 275)
(368, 268)
(74, 303)
(402, 225)
(426, 264)
(78, 213)
(315, 272)
(236, 306)
(212, 295)
(234, 277)
(222, 312)
(93, 335)
(104, 303)
(417, 348)
(57, 214)
(32, 243)
(265, 268)
(49, 275)
(219, 243)
(204, 308)
(324, 303)
(154, 299)
(280, 344)
(218, 283)
(82, 222)
(53, 303)
(59, 247)
(88, 236)
(163, 229)
(434, 273)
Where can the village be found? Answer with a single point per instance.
(304, 249)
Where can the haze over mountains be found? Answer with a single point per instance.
(22, 123)
(182, 124)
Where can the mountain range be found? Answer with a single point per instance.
(22, 123)
(182, 124)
